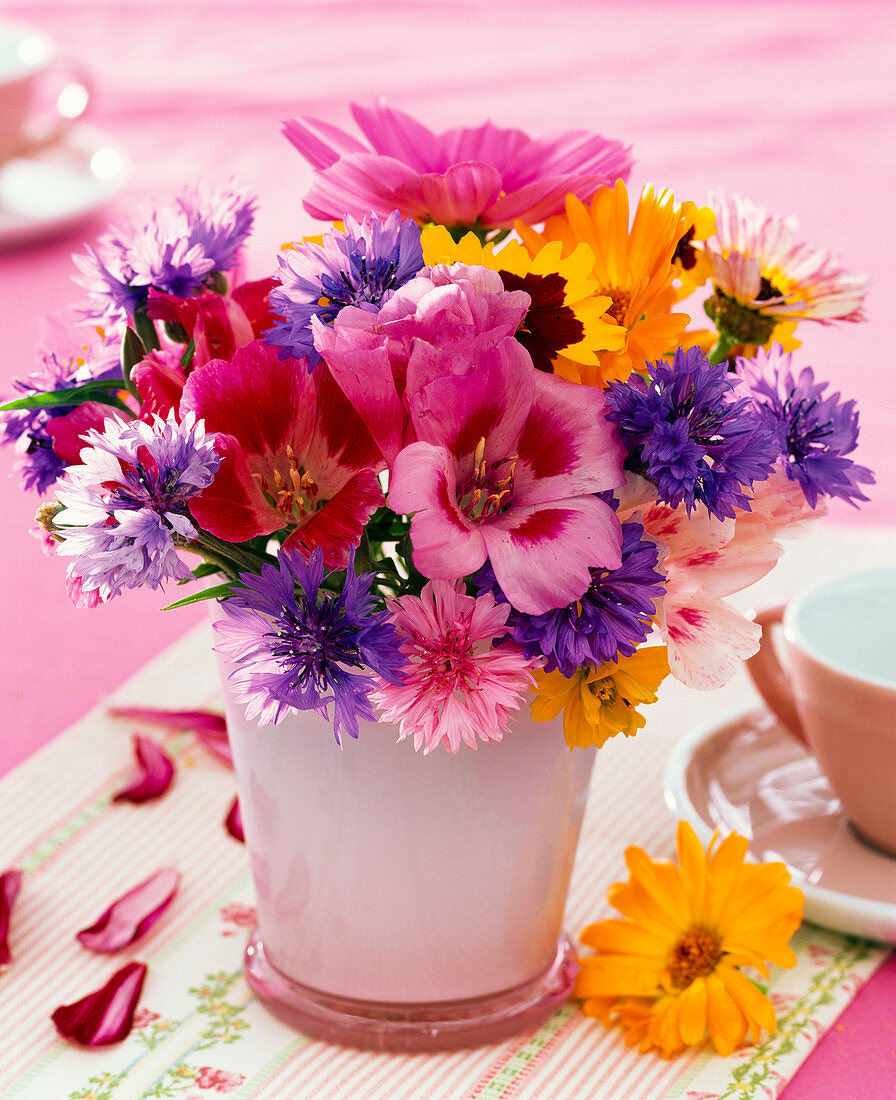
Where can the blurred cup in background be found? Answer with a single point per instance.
(41, 93)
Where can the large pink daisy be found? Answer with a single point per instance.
(484, 176)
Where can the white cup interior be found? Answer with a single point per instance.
(849, 624)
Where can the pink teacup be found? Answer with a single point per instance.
(31, 70)
(838, 692)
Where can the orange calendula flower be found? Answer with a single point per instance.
(670, 970)
(600, 701)
(633, 266)
(568, 316)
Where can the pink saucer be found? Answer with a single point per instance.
(745, 774)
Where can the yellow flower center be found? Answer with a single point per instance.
(694, 955)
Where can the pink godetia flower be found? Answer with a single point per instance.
(233, 822)
(107, 1015)
(442, 317)
(506, 468)
(458, 686)
(10, 882)
(133, 914)
(704, 559)
(217, 324)
(159, 379)
(758, 261)
(484, 176)
(294, 454)
(221, 1080)
(208, 727)
(153, 775)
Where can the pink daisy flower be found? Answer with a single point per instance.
(484, 177)
(457, 685)
(759, 262)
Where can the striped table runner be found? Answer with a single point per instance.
(200, 1033)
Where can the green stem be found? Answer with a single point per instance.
(146, 330)
(218, 551)
(722, 348)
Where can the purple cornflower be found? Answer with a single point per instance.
(175, 249)
(611, 619)
(815, 433)
(126, 506)
(688, 435)
(362, 267)
(26, 429)
(294, 643)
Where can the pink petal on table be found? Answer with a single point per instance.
(10, 881)
(209, 726)
(154, 774)
(107, 1015)
(133, 914)
(234, 822)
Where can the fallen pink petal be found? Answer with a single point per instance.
(107, 1015)
(234, 822)
(10, 881)
(209, 727)
(133, 914)
(154, 773)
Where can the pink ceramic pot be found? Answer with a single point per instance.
(838, 692)
(409, 902)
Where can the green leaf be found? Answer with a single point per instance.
(96, 390)
(218, 592)
(204, 569)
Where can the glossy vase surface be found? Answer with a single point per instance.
(409, 902)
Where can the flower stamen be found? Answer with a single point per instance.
(694, 955)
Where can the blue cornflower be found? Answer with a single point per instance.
(297, 646)
(362, 266)
(688, 435)
(27, 429)
(610, 620)
(174, 249)
(815, 433)
(126, 507)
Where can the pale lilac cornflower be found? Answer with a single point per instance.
(815, 432)
(174, 248)
(458, 686)
(362, 265)
(296, 645)
(126, 506)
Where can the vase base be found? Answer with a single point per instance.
(377, 1025)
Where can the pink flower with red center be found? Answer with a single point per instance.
(507, 466)
(484, 176)
(294, 454)
(217, 324)
(704, 560)
(445, 317)
(457, 685)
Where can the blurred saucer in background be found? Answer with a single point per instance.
(46, 192)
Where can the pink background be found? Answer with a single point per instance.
(791, 105)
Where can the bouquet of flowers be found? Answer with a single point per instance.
(462, 452)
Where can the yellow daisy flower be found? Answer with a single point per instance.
(693, 267)
(632, 265)
(567, 314)
(669, 970)
(599, 702)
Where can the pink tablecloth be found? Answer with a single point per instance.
(791, 105)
